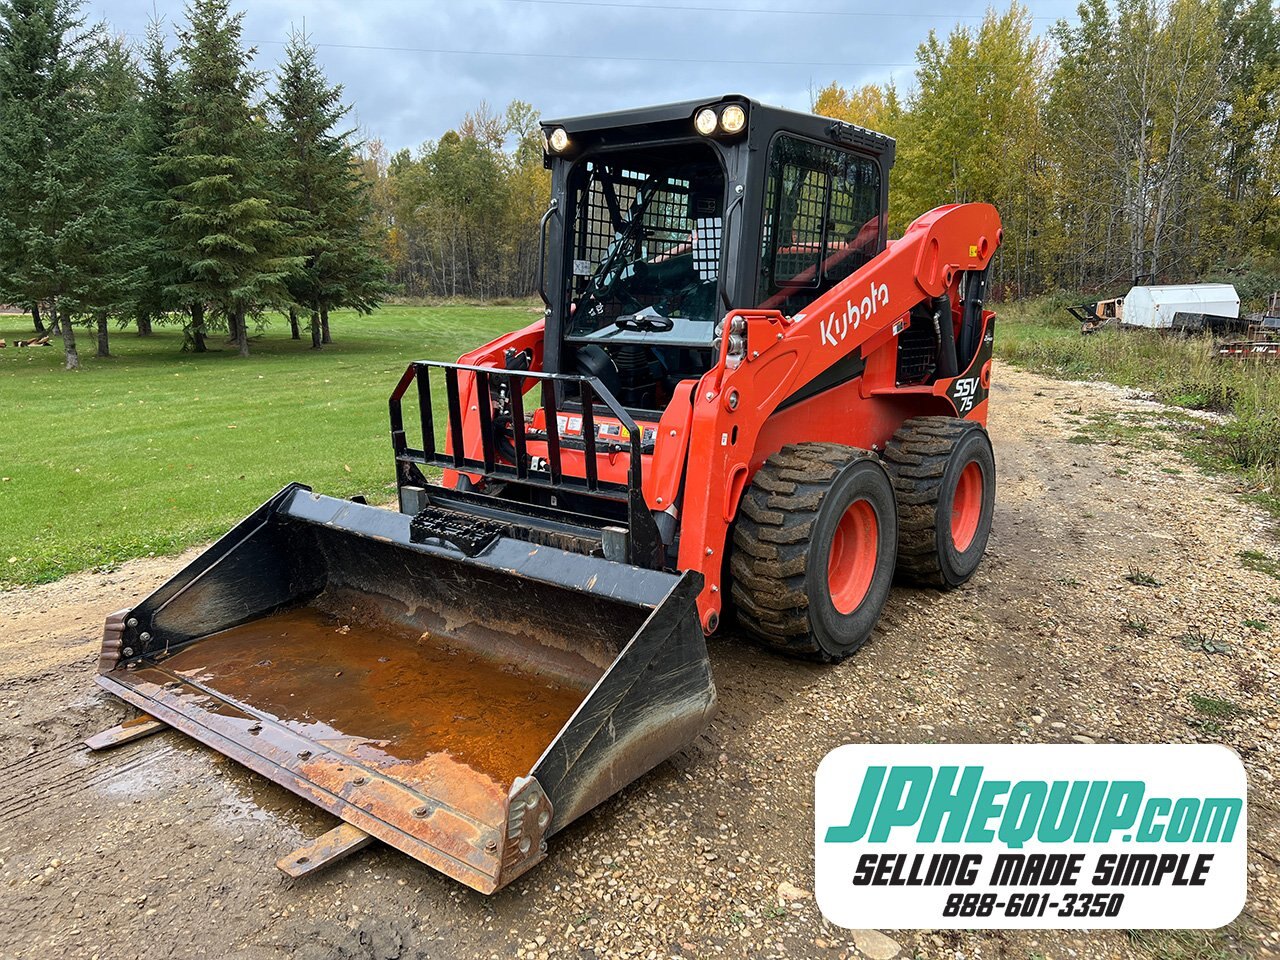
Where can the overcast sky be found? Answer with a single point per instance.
(412, 68)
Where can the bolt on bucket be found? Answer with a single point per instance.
(460, 708)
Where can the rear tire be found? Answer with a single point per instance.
(944, 476)
(813, 550)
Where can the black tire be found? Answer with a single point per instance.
(927, 458)
(782, 546)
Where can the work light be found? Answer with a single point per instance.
(705, 121)
(733, 119)
(559, 140)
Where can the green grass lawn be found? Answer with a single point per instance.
(154, 450)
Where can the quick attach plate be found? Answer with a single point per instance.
(470, 534)
(473, 534)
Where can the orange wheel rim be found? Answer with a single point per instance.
(966, 506)
(851, 564)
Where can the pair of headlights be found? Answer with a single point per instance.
(731, 119)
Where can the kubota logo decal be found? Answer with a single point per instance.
(836, 327)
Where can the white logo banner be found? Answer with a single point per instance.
(930, 836)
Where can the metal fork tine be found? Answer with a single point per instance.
(553, 429)
(485, 409)
(589, 434)
(423, 375)
(455, 416)
(516, 389)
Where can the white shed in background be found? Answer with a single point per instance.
(1155, 306)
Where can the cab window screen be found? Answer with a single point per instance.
(645, 235)
(820, 221)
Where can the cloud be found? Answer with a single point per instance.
(381, 52)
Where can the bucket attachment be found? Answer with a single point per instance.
(459, 708)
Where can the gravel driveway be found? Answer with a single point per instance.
(165, 849)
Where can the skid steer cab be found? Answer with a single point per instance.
(742, 400)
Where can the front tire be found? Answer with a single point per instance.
(813, 550)
(944, 476)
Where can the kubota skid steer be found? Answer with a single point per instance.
(740, 398)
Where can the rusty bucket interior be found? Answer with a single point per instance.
(462, 709)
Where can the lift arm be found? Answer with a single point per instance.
(768, 357)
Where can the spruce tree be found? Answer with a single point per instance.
(24, 52)
(50, 214)
(158, 114)
(113, 266)
(326, 198)
(231, 243)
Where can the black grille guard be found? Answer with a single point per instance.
(644, 545)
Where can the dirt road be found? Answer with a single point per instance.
(165, 849)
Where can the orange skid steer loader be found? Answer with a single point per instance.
(740, 399)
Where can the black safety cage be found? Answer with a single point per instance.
(601, 141)
(499, 399)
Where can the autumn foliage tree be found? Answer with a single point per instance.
(160, 185)
(1140, 139)
(968, 130)
(1135, 92)
(464, 209)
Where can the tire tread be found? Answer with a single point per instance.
(917, 458)
(771, 538)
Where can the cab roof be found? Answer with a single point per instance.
(762, 120)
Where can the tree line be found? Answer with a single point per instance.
(461, 213)
(1141, 141)
(158, 185)
(172, 183)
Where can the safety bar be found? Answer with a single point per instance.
(547, 474)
